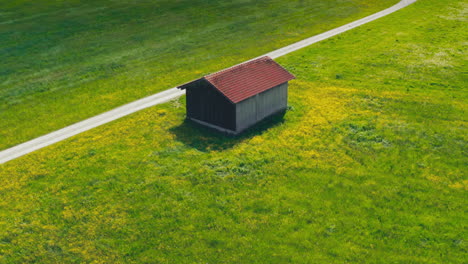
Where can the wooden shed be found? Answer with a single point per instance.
(237, 98)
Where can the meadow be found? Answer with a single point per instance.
(368, 165)
(65, 61)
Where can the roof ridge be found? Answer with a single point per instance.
(242, 64)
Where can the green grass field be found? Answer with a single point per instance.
(367, 166)
(65, 61)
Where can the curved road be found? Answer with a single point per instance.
(69, 131)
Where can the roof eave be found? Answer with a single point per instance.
(186, 85)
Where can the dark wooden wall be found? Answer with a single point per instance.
(206, 104)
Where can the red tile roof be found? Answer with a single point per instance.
(248, 79)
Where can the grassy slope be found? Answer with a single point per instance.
(369, 165)
(64, 61)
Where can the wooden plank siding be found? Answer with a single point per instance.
(246, 113)
(206, 104)
(260, 106)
